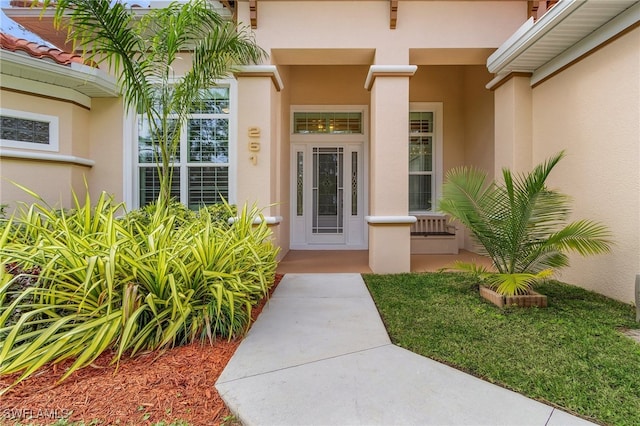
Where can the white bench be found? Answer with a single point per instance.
(433, 234)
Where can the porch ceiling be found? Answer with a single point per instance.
(563, 26)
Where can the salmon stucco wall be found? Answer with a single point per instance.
(513, 125)
(478, 113)
(253, 175)
(283, 152)
(106, 142)
(326, 26)
(54, 181)
(468, 111)
(259, 152)
(592, 111)
(279, 170)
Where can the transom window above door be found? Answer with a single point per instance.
(327, 122)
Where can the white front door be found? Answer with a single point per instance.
(328, 196)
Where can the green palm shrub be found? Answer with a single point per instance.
(521, 224)
(109, 281)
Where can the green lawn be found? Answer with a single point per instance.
(570, 354)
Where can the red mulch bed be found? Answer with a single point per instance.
(177, 384)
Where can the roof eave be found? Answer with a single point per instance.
(543, 48)
(87, 80)
(528, 34)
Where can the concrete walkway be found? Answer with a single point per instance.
(320, 355)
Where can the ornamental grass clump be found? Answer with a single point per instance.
(521, 224)
(109, 281)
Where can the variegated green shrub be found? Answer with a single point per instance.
(108, 280)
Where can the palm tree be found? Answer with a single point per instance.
(520, 224)
(141, 51)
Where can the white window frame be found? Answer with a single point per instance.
(437, 167)
(52, 146)
(132, 164)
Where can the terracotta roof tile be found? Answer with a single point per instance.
(14, 44)
(36, 3)
(25, 3)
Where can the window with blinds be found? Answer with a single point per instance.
(201, 164)
(421, 155)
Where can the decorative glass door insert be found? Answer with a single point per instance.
(328, 191)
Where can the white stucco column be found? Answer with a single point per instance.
(257, 139)
(389, 223)
(513, 124)
(257, 158)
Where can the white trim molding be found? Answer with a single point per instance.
(388, 71)
(567, 32)
(528, 34)
(390, 220)
(269, 220)
(129, 154)
(87, 80)
(261, 71)
(45, 156)
(47, 90)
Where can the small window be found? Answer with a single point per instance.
(327, 122)
(21, 129)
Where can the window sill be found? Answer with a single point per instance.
(42, 156)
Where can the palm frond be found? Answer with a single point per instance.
(106, 32)
(515, 283)
(520, 223)
(215, 55)
(584, 237)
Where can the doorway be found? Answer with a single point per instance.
(328, 196)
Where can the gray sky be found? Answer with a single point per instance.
(9, 26)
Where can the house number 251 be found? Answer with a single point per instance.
(254, 144)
